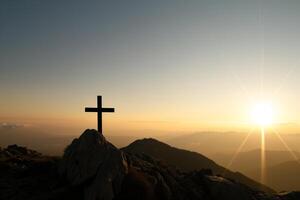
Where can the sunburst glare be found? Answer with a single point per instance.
(262, 114)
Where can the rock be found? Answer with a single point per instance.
(15, 151)
(220, 188)
(144, 181)
(25, 176)
(95, 164)
(290, 195)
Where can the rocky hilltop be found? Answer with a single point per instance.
(93, 169)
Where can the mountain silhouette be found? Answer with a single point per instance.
(187, 160)
(250, 160)
(94, 169)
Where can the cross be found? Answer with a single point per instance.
(99, 110)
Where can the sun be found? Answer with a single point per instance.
(262, 114)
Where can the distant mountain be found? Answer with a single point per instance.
(229, 142)
(283, 172)
(187, 160)
(202, 142)
(249, 160)
(281, 177)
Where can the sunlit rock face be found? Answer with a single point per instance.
(95, 164)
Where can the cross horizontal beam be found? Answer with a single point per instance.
(99, 109)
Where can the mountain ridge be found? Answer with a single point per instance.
(187, 160)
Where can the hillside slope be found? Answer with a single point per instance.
(187, 160)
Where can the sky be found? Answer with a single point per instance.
(167, 67)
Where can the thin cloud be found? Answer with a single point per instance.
(152, 122)
(7, 125)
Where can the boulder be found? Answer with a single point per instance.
(95, 164)
(290, 195)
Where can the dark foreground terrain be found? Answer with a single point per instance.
(93, 169)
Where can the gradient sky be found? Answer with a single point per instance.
(170, 66)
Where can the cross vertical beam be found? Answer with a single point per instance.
(99, 106)
(99, 111)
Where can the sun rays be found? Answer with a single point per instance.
(263, 156)
(263, 118)
(239, 149)
(263, 115)
(286, 145)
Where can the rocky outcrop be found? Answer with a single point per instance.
(93, 169)
(95, 164)
(15, 151)
(290, 195)
(26, 174)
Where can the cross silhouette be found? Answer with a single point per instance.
(99, 111)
